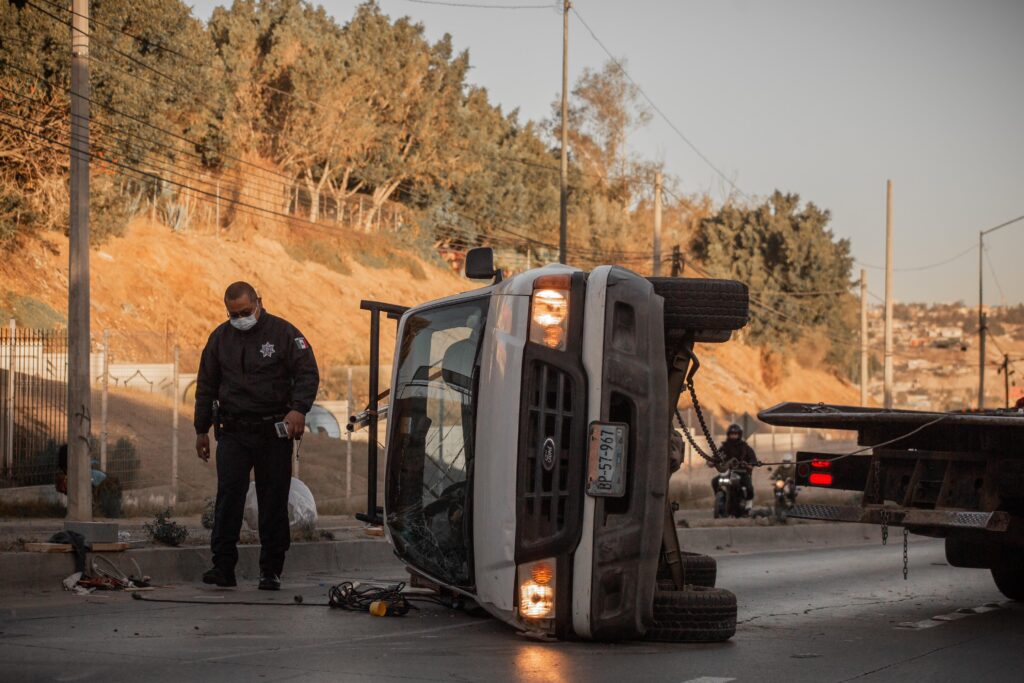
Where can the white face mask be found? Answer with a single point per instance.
(245, 323)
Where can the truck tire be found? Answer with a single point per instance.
(698, 570)
(695, 615)
(709, 308)
(1009, 578)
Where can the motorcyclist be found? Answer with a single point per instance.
(786, 469)
(734, 447)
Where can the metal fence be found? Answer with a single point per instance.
(33, 404)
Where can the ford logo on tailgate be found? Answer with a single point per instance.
(548, 454)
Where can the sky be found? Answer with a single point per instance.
(828, 99)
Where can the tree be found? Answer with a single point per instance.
(797, 272)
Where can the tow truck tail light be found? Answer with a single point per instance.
(821, 464)
(820, 479)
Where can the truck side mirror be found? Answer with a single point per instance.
(480, 264)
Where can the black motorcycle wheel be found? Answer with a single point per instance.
(694, 615)
(719, 505)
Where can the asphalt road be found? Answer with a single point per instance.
(837, 614)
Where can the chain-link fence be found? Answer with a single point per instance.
(33, 404)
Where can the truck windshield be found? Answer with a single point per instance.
(430, 455)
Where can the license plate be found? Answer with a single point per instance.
(606, 460)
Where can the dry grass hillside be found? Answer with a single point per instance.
(153, 285)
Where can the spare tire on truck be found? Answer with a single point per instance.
(698, 570)
(709, 309)
(694, 615)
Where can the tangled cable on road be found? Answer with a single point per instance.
(347, 596)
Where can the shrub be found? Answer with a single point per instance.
(165, 530)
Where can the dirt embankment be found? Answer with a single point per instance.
(153, 287)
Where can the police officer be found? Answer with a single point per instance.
(735, 447)
(256, 370)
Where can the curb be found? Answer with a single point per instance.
(23, 571)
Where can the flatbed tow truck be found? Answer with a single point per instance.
(530, 443)
(954, 475)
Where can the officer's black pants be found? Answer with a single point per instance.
(271, 458)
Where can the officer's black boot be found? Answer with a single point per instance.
(219, 576)
(270, 581)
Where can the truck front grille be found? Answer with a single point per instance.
(551, 437)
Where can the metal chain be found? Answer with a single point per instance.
(716, 458)
(876, 480)
(906, 535)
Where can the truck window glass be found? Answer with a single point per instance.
(432, 440)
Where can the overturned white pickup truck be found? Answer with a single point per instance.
(530, 443)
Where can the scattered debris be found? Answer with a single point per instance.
(165, 530)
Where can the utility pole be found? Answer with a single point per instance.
(104, 399)
(79, 398)
(677, 261)
(658, 180)
(563, 205)
(888, 296)
(982, 327)
(1005, 369)
(175, 400)
(863, 337)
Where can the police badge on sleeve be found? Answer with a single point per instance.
(301, 344)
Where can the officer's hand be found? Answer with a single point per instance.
(296, 423)
(203, 447)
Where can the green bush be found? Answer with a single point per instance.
(166, 531)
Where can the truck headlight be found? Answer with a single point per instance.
(549, 311)
(537, 590)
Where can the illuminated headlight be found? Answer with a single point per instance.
(537, 590)
(779, 484)
(549, 311)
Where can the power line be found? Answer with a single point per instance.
(474, 5)
(658, 109)
(924, 267)
(995, 276)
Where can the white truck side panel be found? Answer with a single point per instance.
(593, 356)
(497, 441)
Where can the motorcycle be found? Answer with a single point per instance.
(784, 489)
(731, 496)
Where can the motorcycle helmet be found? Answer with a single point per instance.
(787, 458)
(734, 429)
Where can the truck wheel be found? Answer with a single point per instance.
(694, 615)
(709, 308)
(698, 570)
(1009, 578)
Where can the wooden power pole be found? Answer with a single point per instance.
(863, 337)
(888, 296)
(79, 398)
(563, 203)
(656, 269)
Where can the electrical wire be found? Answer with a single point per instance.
(473, 5)
(842, 456)
(658, 109)
(924, 267)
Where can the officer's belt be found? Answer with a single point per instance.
(251, 425)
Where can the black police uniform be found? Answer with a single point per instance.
(256, 376)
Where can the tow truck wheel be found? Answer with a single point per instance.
(711, 308)
(1009, 578)
(695, 615)
(698, 570)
